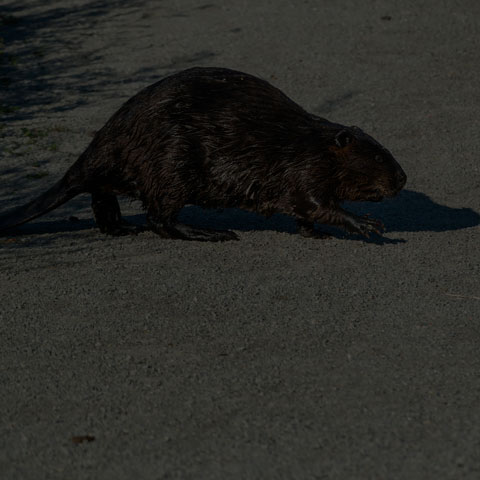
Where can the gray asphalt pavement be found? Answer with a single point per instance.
(276, 356)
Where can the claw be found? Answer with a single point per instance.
(366, 225)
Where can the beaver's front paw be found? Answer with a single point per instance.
(365, 225)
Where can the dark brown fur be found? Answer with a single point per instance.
(219, 138)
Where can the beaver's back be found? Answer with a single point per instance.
(203, 122)
(218, 99)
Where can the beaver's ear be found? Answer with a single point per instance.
(343, 138)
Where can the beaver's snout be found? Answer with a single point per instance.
(401, 180)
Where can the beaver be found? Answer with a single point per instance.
(215, 137)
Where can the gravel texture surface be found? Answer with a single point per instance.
(275, 356)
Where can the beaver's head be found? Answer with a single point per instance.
(366, 171)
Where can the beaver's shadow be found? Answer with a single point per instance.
(408, 212)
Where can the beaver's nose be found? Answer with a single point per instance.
(401, 179)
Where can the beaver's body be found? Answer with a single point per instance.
(219, 138)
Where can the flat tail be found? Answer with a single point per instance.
(61, 192)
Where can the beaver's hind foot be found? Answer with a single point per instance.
(108, 217)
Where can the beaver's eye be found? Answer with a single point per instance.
(343, 138)
(379, 158)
